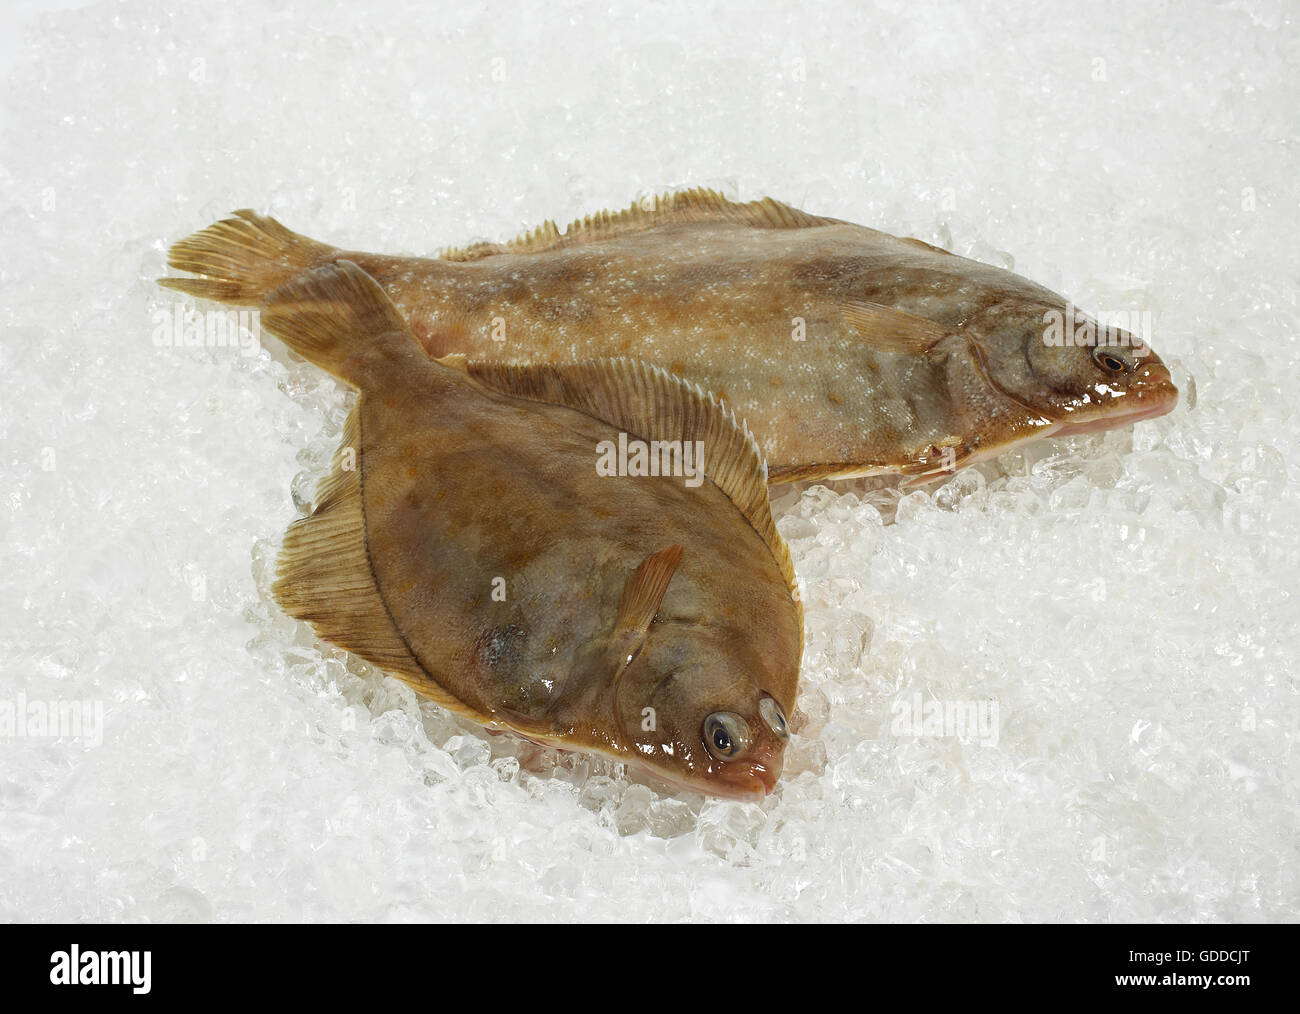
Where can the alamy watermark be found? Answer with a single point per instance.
(1108, 328)
(183, 327)
(75, 967)
(21, 718)
(634, 457)
(963, 719)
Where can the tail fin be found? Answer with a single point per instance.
(244, 259)
(337, 317)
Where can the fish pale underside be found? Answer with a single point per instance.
(467, 543)
(849, 352)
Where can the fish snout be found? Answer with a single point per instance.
(755, 776)
(1148, 391)
(1152, 388)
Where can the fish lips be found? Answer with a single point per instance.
(753, 779)
(749, 780)
(1150, 394)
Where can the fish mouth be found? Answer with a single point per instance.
(1110, 422)
(748, 781)
(1153, 393)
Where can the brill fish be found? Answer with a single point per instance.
(849, 352)
(470, 543)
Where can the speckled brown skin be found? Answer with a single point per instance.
(717, 306)
(714, 291)
(461, 485)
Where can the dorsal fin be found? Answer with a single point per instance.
(892, 330)
(455, 360)
(697, 205)
(652, 404)
(323, 576)
(930, 247)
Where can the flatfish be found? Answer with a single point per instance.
(583, 554)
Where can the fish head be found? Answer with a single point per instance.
(1070, 374)
(706, 710)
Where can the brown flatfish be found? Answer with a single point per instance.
(848, 351)
(499, 538)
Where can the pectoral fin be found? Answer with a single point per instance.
(892, 330)
(642, 596)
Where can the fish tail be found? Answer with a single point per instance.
(243, 259)
(339, 318)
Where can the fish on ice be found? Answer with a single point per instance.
(848, 351)
(467, 543)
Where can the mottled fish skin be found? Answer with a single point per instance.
(501, 557)
(749, 302)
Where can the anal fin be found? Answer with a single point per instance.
(324, 577)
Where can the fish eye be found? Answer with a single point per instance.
(774, 717)
(726, 735)
(1109, 361)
